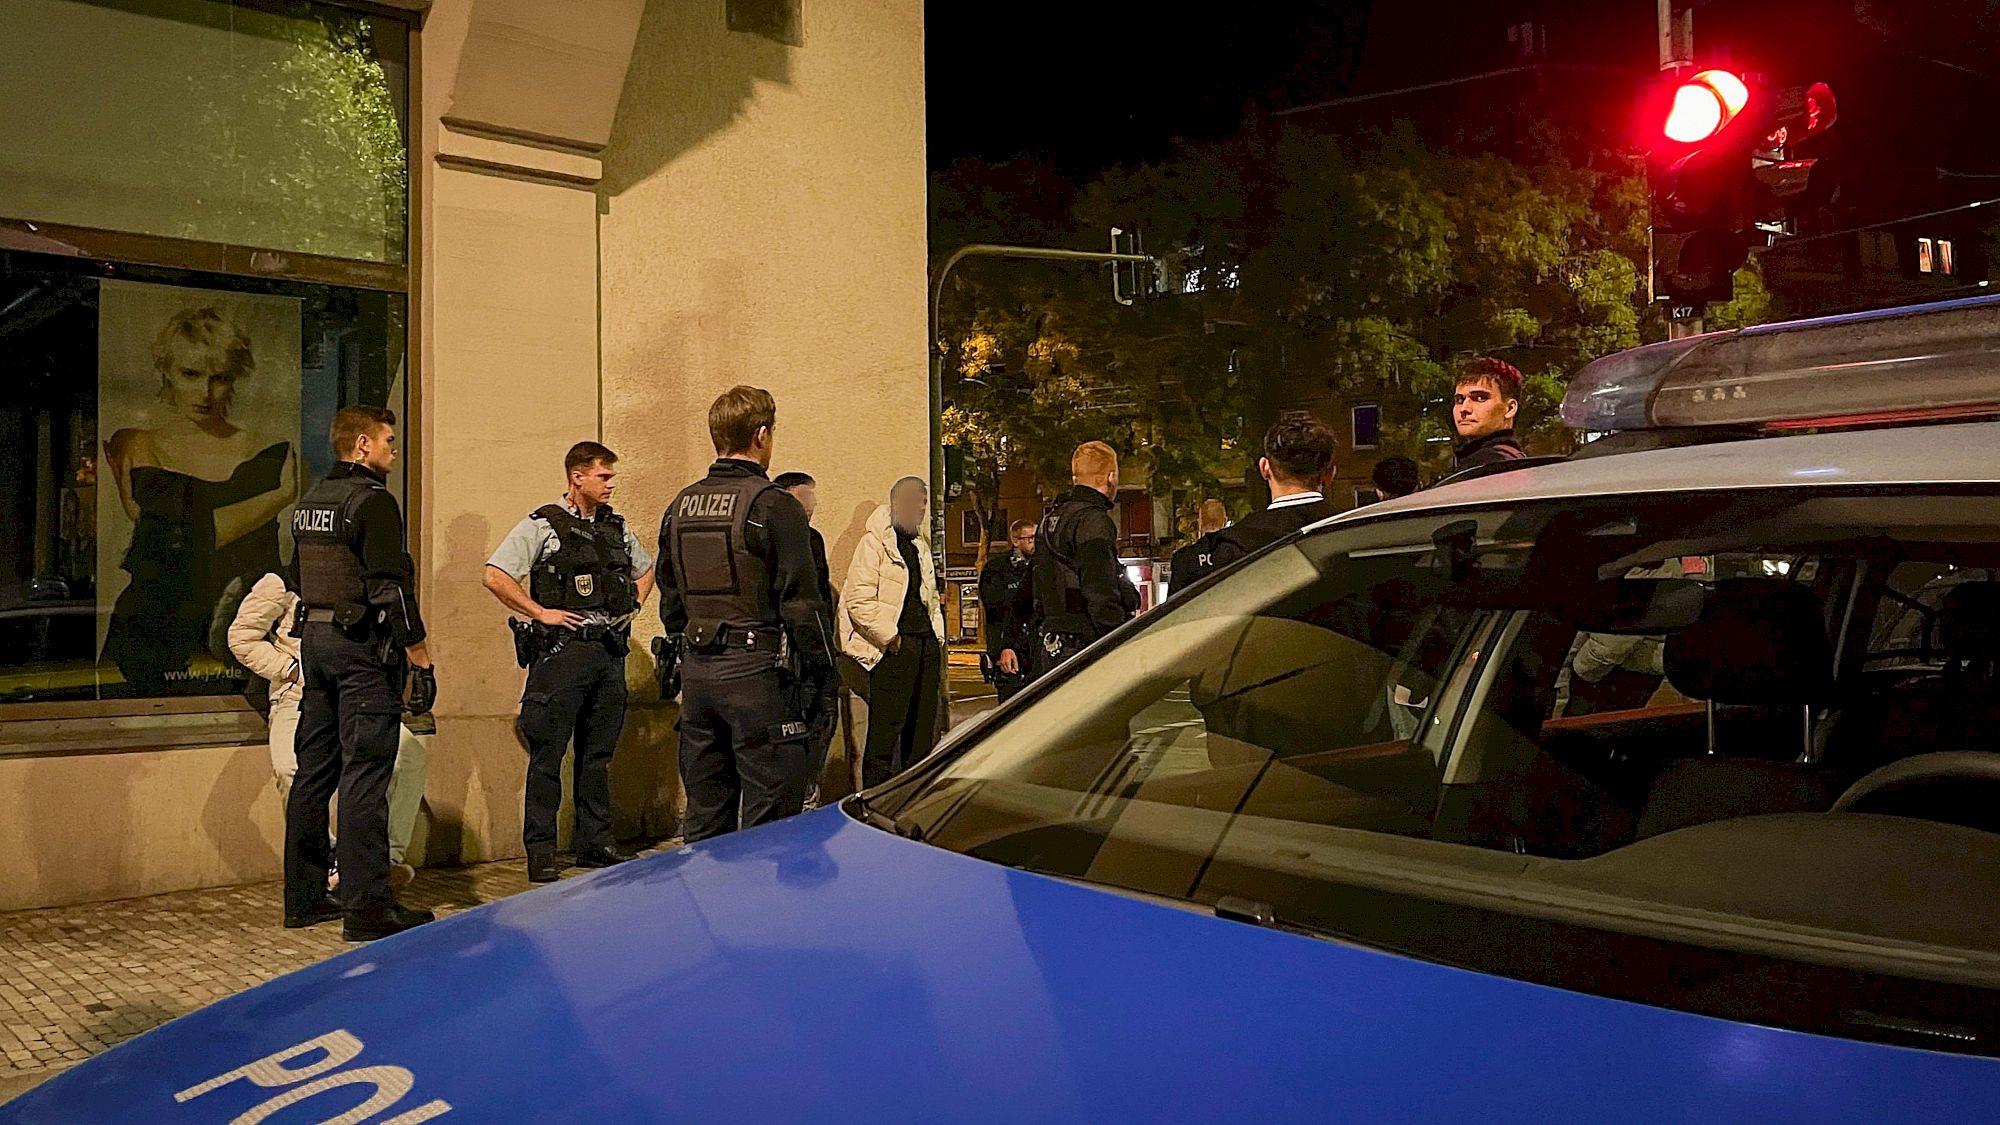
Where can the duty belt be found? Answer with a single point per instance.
(596, 632)
(768, 638)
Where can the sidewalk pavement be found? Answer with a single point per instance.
(75, 980)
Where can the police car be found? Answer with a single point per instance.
(1661, 784)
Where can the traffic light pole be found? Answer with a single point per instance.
(1676, 53)
(939, 350)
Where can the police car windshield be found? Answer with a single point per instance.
(1530, 740)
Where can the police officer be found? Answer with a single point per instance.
(737, 579)
(1192, 563)
(826, 712)
(587, 575)
(1080, 592)
(1008, 602)
(358, 624)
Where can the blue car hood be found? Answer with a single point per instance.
(821, 970)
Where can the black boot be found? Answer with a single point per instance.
(603, 857)
(543, 869)
(326, 911)
(379, 921)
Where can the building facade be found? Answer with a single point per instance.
(518, 224)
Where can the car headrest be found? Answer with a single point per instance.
(1969, 625)
(1758, 641)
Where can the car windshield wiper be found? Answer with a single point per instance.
(868, 814)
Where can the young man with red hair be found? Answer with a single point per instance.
(1483, 405)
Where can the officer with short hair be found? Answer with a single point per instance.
(737, 579)
(1004, 596)
(1080, 592)
(358, 624)
(826, 712)
(586, 576)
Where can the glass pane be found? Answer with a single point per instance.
(1367, 426)
(157, 427)
(280, 125)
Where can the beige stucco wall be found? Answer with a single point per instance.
(764, 222)
(760, 219)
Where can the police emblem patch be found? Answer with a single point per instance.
(585, 585)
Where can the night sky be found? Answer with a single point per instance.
(1088, 83)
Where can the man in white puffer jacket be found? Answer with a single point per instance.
(894, 627)
(261, 637)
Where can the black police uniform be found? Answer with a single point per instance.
(1261, 529)
(736, 575)
(576, 679)
(358, 612)
(1004, 587)
(1080, 592)
(1192, 563)
(826, 715)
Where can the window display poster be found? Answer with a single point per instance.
(198, 409)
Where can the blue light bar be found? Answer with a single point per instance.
(1922, 359)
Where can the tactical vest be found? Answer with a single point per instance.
(721, 582)
(590, 568)
(327, 539)
(1059, 600)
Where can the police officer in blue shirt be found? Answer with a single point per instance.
(359, 633)
(737, 582)
(586, 576)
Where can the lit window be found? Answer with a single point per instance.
(1945, 265)
(1924, 256)
(1230, 278)
(1191, 282)
(1367, 419)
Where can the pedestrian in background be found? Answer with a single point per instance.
(826, 716)
(260, 636)
(737, 581)
(586, 575)
(893, 626)
(1483, 405)
(1297, 461)
(1007, 600)
(1192, 562)
(1080, 590)
(1395, 477)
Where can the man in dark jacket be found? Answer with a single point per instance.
(1483, 405)
(1192, 562)
(805, 490)
(1079, 589)
(1003, 596)
(1298, 459)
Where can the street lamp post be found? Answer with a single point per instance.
(939, 349)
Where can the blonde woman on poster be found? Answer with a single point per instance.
(204, 495)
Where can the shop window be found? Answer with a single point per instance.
(280, 125)
(156, 428)
(1367, 420)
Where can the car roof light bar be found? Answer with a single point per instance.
(1904, 364)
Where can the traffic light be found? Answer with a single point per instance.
(1722, 159)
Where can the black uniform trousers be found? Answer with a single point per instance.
(349, 714)
(743, 751)
(577, 692)
(819, 741)
(903, 702)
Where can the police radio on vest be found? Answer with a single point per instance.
(708, 506)
(312, 519)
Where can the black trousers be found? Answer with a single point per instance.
(575, 694)
(903, 702)
(743, 750)
(349, 715)
(819, 740)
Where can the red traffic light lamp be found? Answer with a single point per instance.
(1704, 106)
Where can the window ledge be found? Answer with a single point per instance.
(32, 730)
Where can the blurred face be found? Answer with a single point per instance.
(906, 508)
(376, 449)
(1478, 409)
(1024, 540)
(593, 485)
(807, 496)
(196, 391)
